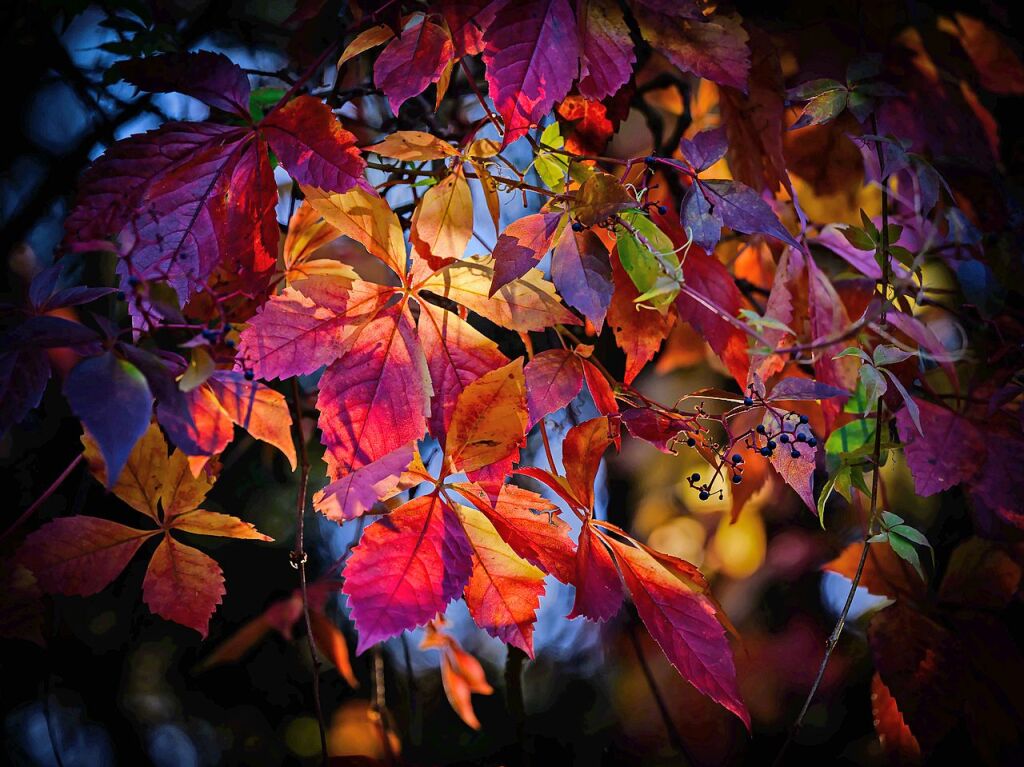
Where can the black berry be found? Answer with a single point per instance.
(795, 453)
(737, 458)
(249, 375)
(801, 437)
(760, 428)
(812, 441)
(771, 444)
(704, 495)
(662, 210)
(766, 451)
(737, 478)
(691, 442)
(748, 401)
(784, 439)
(577, 226)
(695, 477)
(803, 419)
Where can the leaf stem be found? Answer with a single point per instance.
(298, 560)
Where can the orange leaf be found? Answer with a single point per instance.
(139, 482)
(365, 218)
(489, 420)
(413, 146)
(183, 585)
(257, 408)
(894, 735)
(504, 591)
(204, 522)
(581, 455)
(443, 221)
(331, 643)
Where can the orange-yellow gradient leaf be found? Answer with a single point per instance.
(489, 420)
(504, 591)
(365, 218)
(443, 221)
(413, 146)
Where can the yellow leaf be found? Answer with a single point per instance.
(140, 481)
(413, 146)
(443, 221)
(490, 418)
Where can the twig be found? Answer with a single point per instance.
(42, 499)
(670, 726)
(379, 702)
(514, 697)
(298, 560)
(876, 455)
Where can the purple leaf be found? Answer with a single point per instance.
(705, 149)
(23, 377)
(113, 400)
(743, 209)
(210, 77)
(700, 220)
(804, 389)
(583, 275)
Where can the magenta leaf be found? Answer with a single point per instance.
(606, 55)
(313, 147)
(523, 243)
(356, 492)
(947, 453)
(411, 62)
(532, 57)
(704, 149)
(553, 379)
(406, 569)
(599, 591)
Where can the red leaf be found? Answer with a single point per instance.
(638, 332)
(553, 379)
(406, 569)
(183, 585)
(685, 626)
(532, 57)
(307, 326)
(710, 279)
(465, 19)
(798, 473)
(489, 420)
(332, 643)
(210, 77)
(356, 492)
(523, 243)
(504, 591)
(457, 354)
(313, 147)
(713, 47)
(376, 398)
(589, 125)
(600, 390)
(412, 62)
(607, 55)
(80, 555)
(951, 450)
(582, 449)
(530, 525)
(599, 591)
(582, 273)
(894, 736)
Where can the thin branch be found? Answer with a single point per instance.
(670, 726)
(876, 456)
(298, 560)
(42, 499)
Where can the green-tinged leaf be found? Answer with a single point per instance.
(891, 520)
(887, 354)
(642, 264)
(550, 166)
(912, 408)
(853, 351)
(851, 437)
(874, 385)
(905, 550)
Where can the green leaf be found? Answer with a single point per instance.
(641, 264)
(813, 88)
(262, 99)
(850, 437)
(890, 520)
(857, 237)
(552, 167)
(905, 550)
(869, 227)
(887, 354)
(874, 385)
(842, 476)
(853, 351)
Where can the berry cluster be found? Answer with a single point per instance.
(793, 430)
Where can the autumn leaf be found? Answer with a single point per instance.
(606, 50)
(413, 146)
(489, 420)
(443, 221)
(523, 243)
(504, 591)
(599, 591)
(553, 379)
(406, 569)
(412, 61)
(532, 56)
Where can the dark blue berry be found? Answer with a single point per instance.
(662, 210)
(577, 226)
(801, 437)
(691, 442)
(748, 401)
(784, 439)
(771, 444)
(812, 441)
(737, 478)
(650, 160)
(133, 282)
(766, 451)
(230, 344)
(803, 419)
(795, 453)
(737, 458)
(695, 477)
(249, 375)
(760, 428)
(704, 495)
